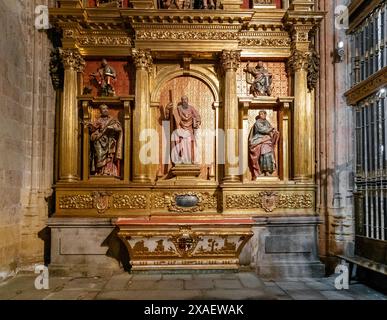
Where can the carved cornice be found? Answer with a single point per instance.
(142, 58)
(72, 59)
(367, 87)
(230, 59)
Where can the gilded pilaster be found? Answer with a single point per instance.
(69, 147)
(141, 115)
(230, 61)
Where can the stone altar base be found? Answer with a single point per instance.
(184, 243)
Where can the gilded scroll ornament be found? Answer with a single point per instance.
(72, 59)
(130, 201)
(186, 35)
(95, 40)
(78, 201)
(262, 42)
(56, 69)
(269, 201)
(313, 69)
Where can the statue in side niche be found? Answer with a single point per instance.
(260, 79)
(104, 78)
(106, 136)
(263, 139)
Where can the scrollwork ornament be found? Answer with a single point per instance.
(56, 69)
(313, 69)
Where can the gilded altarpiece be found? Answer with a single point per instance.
(144, 62)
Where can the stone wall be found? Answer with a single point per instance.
(27, 133)
(335, 151)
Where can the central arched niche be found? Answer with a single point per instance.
(202, 98)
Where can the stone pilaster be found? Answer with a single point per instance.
(141, 115)
(69, 153)
(230, 61)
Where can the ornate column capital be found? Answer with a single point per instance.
(230, 59)
(142, 59)
(299, 60)
(72, 59)
(309, 62)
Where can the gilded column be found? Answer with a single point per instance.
(303, 118)
(303, 65)
(73, 63)
(230, 61)
(141, 115)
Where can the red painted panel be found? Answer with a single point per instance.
(122, 83)
(92, 3)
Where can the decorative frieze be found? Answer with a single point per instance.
(130, 201)
(186, 35)
(265, 42)
(103, 40)
(269, 201)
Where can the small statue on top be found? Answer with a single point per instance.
(104, 78)
(262, 79)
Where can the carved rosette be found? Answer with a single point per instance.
(230, 59)
(72, 59)
(142, 59)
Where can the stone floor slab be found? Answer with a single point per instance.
(141, 284)
(177, 276)
(238, 294)
(169, 285)
(250, 280)
(198, 284)
(150, 295)
(227, 284)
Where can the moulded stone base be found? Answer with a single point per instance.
(84, 246)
